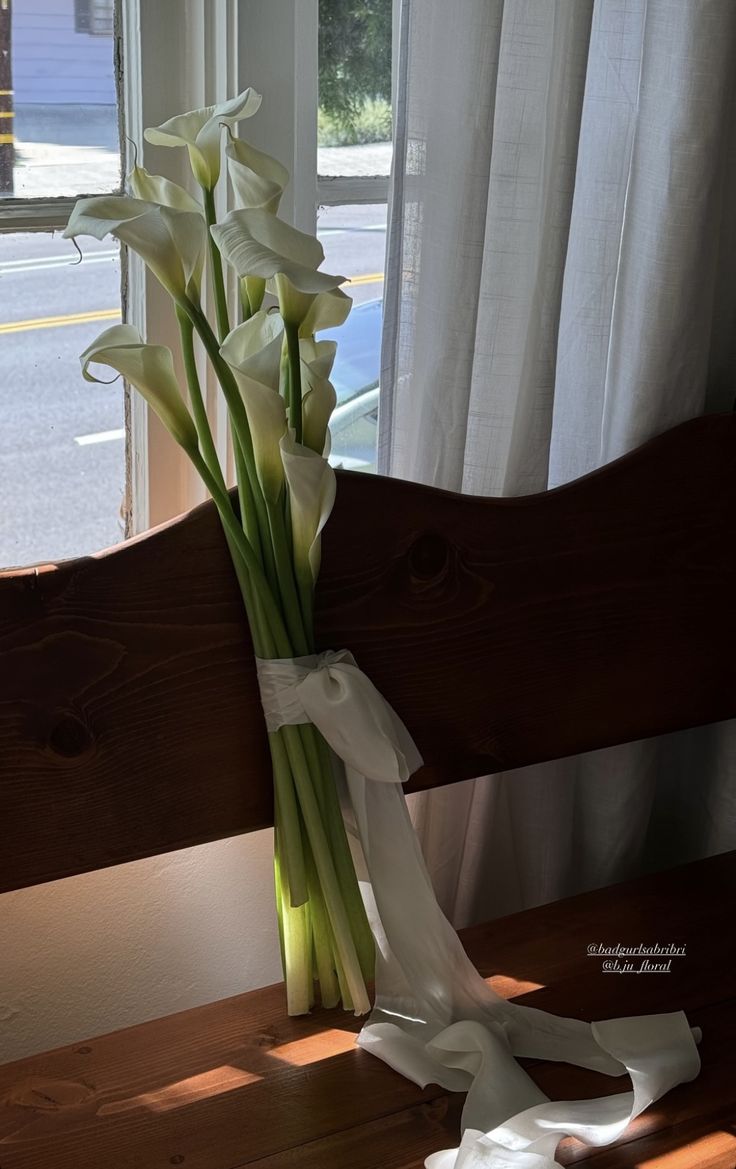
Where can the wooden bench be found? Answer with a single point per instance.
(605, 610)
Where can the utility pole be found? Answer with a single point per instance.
(7, 136)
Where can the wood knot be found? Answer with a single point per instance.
(431, 560)
(46, 1095)
(69, 736)
(264, 1040)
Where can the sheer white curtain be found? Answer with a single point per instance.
(561, 287)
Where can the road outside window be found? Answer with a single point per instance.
(62, 446)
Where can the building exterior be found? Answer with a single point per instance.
(62, 52)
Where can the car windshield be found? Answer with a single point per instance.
(358, 357)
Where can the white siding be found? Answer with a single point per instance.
(54, 65)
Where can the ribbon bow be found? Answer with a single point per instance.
(329, 690)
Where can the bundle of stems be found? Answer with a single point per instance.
(274, 377)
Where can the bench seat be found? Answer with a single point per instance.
(238, 1083)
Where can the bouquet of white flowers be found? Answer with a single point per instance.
(275, 378)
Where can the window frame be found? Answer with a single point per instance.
(210, 51)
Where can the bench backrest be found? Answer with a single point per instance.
(504, 631)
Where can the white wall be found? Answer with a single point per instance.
(105, 950)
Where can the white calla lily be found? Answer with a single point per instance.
(200, 130)
(157, 189)
(171, 241)
(311, 482)
(318, 393)
(329, 310)
(253, 352)
(150, 368)
(319, 356)
(258, 179)
(256, 243)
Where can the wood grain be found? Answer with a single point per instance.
(505, 631)
(238, 1083)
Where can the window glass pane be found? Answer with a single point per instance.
(61, 110)
(62, 448)
(354, 87)
(354, 240)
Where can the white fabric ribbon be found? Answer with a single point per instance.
(435, 1020)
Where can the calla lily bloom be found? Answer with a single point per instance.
(258, 179)
(170, 241)
(318, 393)
(327, 311)
(199, 130)
(256, 243)
(253, 352)
(150, 368)
(157, 189)
(312, 485)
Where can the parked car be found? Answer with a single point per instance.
(354, 424)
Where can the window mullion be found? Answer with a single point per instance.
(192, 43)
(278, 57)
(219, 49)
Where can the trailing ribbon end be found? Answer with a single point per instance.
(435, 1019)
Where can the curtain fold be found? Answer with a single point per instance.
(561, 286)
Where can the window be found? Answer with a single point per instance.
(62, 449)
(63, 456)
(353, 161)
(94, 16)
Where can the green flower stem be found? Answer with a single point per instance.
(225, 377)
(305, 587)
(287, 586)
(271, 614)
(218, 280)
(323, 939)
(206, 443)
(295, 379)
(248, 517)
(321, 765)
(297, 947)
(294, 940)
(241, 438)
(339, 918)
(199, 410)
(245, 306)
(289, 822)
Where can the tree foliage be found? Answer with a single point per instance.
(354, 55)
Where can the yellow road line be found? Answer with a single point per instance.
(111, 314)
(369, 278)
(105, 314)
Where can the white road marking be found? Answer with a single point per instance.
(347, 230)
(101, 436)
(40, 263)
